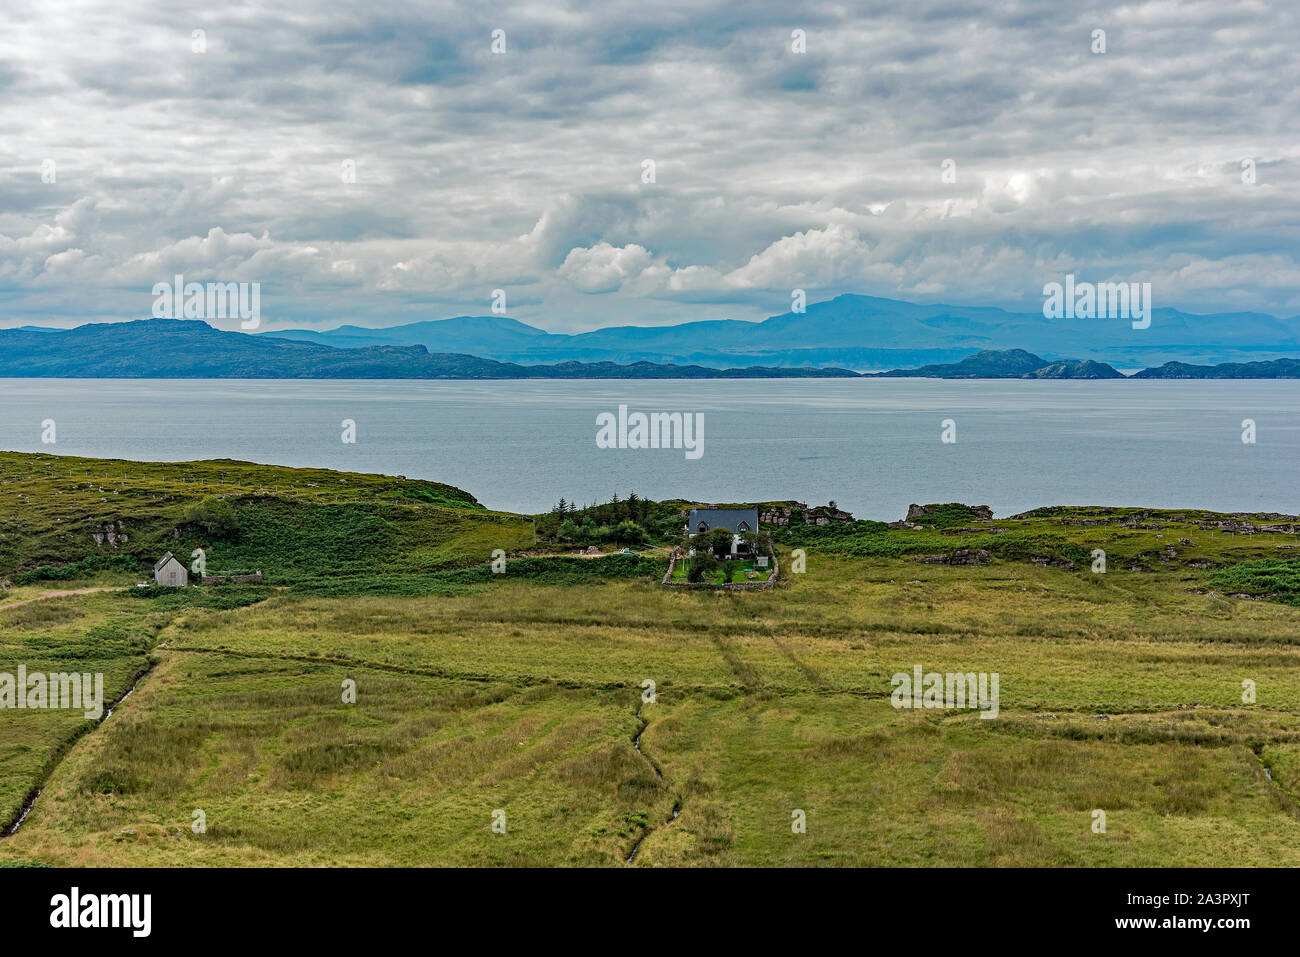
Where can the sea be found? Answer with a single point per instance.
(872, 446)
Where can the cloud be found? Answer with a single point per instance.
(604, 268)
(522, 171)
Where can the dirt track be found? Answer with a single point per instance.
(45, 596)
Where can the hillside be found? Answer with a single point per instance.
(521, 692)
(1275, 369)
(854, 332)
(1010, 364)
(168, 348)
(989, 364)
(294, 524)
(1075, 369)
(174, 348)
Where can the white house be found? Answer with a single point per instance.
(168, 571)
(738, 521)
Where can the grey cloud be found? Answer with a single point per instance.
(475, 171)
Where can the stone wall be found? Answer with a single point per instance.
(769, 582)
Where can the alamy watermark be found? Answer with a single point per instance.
(128, 911)
(211, 300)
(1102, 300)
(56, 690)
(651, 430)
(930, 689)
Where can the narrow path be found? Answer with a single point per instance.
(807, 670)
(45, 596)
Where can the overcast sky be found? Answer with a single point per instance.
(524, 170)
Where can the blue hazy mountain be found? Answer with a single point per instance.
(461, 334)
(174, 348)
(855, 332)
(189, 348)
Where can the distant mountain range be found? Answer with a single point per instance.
(1019, 364)
(863, 333)
(1273, 369)
(188, 348)
(174, 348)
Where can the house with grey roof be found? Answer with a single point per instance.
(738, 521)
(169, 571)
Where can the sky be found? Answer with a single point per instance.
(380, 163)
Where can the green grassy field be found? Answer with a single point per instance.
(522, 693)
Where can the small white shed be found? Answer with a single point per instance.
(169, 571)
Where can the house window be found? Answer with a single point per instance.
(171, 577)
(704, 527)
(742, 527)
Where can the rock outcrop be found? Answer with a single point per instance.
(782, 515)
(915, 512)
(111, 533)
(962, 556)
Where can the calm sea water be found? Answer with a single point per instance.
(872, 445)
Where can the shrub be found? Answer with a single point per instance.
(701, 563)
(80, 569)
(1270, 578)
(213, 515)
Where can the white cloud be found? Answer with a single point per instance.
(604, 268)
(522, 171)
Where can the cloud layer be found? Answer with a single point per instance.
(381, 164)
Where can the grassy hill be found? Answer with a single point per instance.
(294, 524)
(521, 692)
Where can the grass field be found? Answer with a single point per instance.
(522, 693)
(738, 570)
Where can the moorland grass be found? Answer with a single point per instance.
(521, 693)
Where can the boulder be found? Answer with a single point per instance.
(781, 515)
(962, 556)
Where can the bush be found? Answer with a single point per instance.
(629, 533)
(1265, 578)
(81, 569)
(701, 563)
(222, 598)
(213, 515)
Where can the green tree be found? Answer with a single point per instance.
(716, 540)
(629, 533)
(757, 542)
(701, 563)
